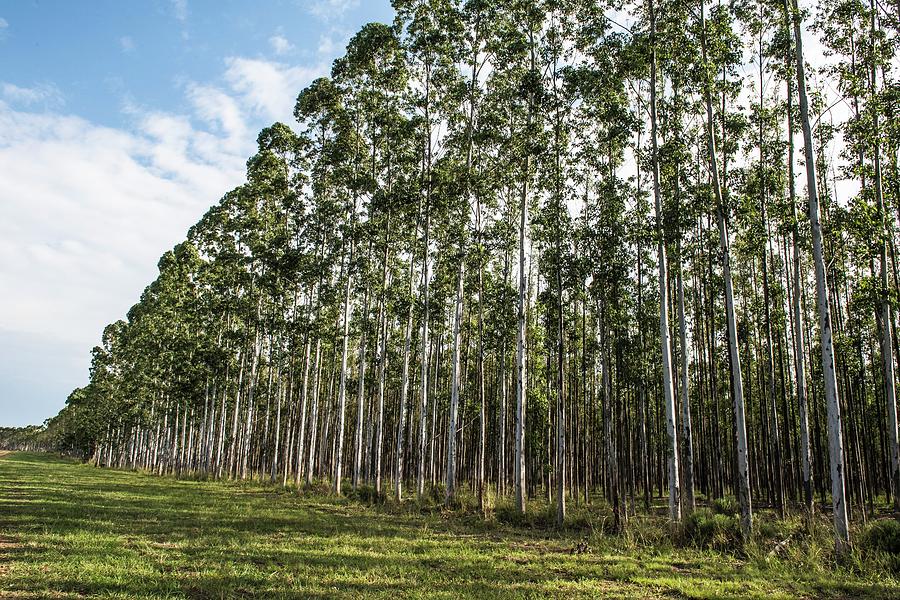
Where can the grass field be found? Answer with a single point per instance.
(69, 530)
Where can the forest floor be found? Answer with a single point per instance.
(68, 530)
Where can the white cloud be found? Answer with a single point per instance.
(269, 88)
(45, 93)
(86, 210)
(127, 43)
(3, 23)
(330, 44)
(331, 9)
(220, 111)
(180, 9)
(280, 44)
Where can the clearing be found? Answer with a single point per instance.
(69, 530)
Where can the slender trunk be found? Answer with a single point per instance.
(314, 412)
(360, 396)
(688, 437)
(342, 387)
(737, 385)
(521, 334)
(799, 343)
(832, 403)
(668, 389)
(454, 389)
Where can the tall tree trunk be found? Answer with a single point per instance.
(668, 388)
(423, 379)
(737, 385)
(454, 389)
(479, 368)
(833, 407)
(382, 359)
(687, 435)
(404, 388)
(887, 320)
(799, 342)
(342, 387)
(360, 396)
(521, 333)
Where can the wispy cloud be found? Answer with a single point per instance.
(280, 44)
(4, 25)
(127, 44)
(78, 247)
(329, 44)
(44, 93)
(269, 88)
(180, 9)
(91, 233)
(331, 9)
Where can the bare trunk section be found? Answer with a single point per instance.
(454, 389)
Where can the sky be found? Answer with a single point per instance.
(121, 123)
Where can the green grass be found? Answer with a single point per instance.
(69, 530)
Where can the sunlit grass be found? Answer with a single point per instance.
(71, 531)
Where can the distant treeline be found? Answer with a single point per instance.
(29, 438)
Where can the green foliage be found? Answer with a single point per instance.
(727, 505)
(881, 540)
(706, 529)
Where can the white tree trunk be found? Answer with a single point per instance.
(665, 341)
(454, 389)
(835, 442)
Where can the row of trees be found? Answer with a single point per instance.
(31, 438)
(544, 248)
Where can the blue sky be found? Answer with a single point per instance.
(120, 124)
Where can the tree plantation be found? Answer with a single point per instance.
(567, 251)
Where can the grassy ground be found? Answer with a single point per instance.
(72, 531)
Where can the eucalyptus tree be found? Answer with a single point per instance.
(603, 124)
(664, 331)
(797, 314)
(515, 47)
(737, 386)
(321, 112)
(673, 155)
(431, 34)
(833, 407)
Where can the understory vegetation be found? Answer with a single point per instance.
(70, 530)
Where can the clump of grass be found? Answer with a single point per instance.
(365, 494)
(726, 505)
(882, 535)
(880, 542)
(646, 532)
(708, 530)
